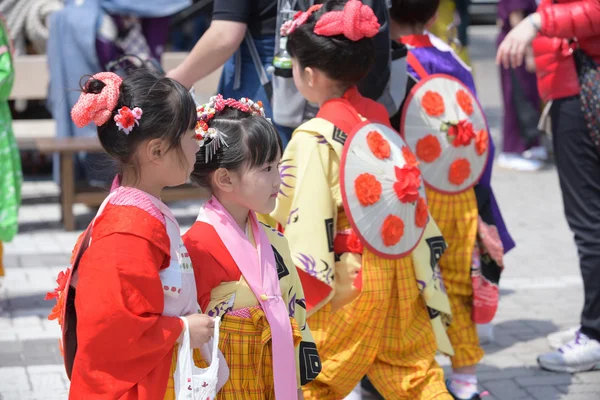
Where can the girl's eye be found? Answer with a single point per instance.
(269, 169)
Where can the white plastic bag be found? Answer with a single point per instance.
(191, 382)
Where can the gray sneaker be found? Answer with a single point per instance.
(581, 354)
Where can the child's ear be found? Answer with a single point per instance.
(223, 180)
(155, 149)
(311, 76)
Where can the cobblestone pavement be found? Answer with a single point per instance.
(541, 288)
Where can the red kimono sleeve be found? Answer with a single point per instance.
(211, 267)
(578, 19)
(125, 344)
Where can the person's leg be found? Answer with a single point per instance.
(348, 339)
(578, 166)
(405, 366)
(456, 216)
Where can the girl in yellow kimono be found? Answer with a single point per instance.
(365, 311)
(244, 270)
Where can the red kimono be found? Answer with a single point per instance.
(125, 344)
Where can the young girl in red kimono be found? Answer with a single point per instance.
(365, 311)
(244, 270)
(134, 281)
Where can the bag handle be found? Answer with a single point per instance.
(215, 350)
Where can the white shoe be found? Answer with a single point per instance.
(579, 355)
(539, 153)
(485, 333)
(518, 163)
(558, 339)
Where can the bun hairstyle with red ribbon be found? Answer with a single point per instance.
(334, 38)
(128, 111)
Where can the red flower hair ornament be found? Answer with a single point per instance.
(98, 107)
(356, 21)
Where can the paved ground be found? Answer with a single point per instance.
(541, 287)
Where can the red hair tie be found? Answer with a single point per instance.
(355, 22)
(98, 107)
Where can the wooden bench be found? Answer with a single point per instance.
(31, 81)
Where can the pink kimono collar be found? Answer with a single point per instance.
(258, 267)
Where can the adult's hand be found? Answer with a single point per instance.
(514, 46)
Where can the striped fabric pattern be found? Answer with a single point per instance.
(456, 216)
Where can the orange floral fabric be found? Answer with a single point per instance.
(464, 101)
(459, 171)
(421, 213)
(409, 156)
(461, 134)
(378, 145)
(433, 103)
(368, 189)
(408, 183)
(392, 230)
(428, 149)
(481, 142)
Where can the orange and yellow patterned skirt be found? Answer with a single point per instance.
(385, 333)
(246, 346)
(456, 216)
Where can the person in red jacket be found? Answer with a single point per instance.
(555, 31)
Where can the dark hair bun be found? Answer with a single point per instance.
(340, 58)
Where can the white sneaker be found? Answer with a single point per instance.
(518, 163)
(581, 354)
(558, 339)
(539, 153)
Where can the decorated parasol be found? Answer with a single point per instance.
(443, 123)
(382, 191)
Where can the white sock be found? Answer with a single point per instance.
(463, 386)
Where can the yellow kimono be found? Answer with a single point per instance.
(380, 327)
(245, 338)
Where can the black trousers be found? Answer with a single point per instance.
(578, 165)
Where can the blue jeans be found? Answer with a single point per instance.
(250, 85)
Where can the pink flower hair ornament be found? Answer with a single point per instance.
(212, 138)
(98, 107)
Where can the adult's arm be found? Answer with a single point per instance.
(223, 37)
(579, 19)
(374, 83)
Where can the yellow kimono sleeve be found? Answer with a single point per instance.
(307, 208)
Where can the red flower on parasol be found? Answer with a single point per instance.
(368, 189)
(408, 181)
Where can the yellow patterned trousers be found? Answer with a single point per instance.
(385, 333)
(456, 216)
(246, 346)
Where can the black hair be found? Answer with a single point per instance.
(413, 12)
(340, 58)
(169, 111)
(252, 141)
